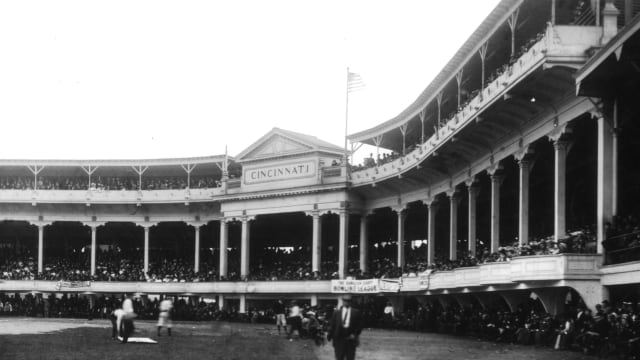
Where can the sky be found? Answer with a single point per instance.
(168, 79)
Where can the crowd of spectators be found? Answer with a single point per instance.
(623, 239)
(111, 265)
(271, 264)
(608, 330)
(109, 183)
(580, 241)
(370, 161)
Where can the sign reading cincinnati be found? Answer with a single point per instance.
(279, 172)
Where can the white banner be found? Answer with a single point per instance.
(390, 285)
(355, 286)
(72, 284)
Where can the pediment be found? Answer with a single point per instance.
(279, 142)
(276, 145)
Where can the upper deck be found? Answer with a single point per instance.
(281, 160)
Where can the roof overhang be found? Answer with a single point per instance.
(469, 49)
(611, 52)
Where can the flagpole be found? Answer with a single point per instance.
(346, 121)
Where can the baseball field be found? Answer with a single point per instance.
(51, 339)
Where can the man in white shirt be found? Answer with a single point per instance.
(164, 317)
(124, 319)
(295, 319)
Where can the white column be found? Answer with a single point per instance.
(243, 304)
(559, 203)
(224, 244)
(196, 257)
(221, 299)
(401, 217)
(614, 161)
(316, 247)
(605, 179)
(453, 225)
(472, 235)
(94, 230)
(244, 247)
(496, 181)
(40, 248)
(432, 209)
(146, 249)
(40, 226)
(523, 203)
(343, 242)
(364, 243)
(314, 300)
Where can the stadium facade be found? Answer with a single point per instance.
(528, 132)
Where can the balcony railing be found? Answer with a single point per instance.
(108, 196)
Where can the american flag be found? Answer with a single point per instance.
(354, 82)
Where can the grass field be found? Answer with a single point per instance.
(51, 339)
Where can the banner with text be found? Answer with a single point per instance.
(72, 284)
(355, 286)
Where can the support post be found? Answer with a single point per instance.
(40, 225)
(343, 242)
(523, 203)
(605, 179)
(454, 200)
(244, 247)
(432, 209)
(401, 218)
(496, 181)
(224, 244)
(146, 226)
(560, 193)
(364, 244)
(94, 228)
(243, 304)
(316, 246)
(473, 191)
(196, 257)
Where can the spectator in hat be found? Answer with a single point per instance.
(344, 330)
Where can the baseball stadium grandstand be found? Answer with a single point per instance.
(511, 181)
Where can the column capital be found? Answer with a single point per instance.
(430, 201)
(452, 193)
(454, 196)
(524, 152)
(559, 132)
(526, 163)
(195, 224)
(40, 223)
(247, 218)
(313, 213)
(400, 208)
(471, 181)
(494, 168)
(562, 144)
(146, 225)
(497, 178)
(94, 224)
